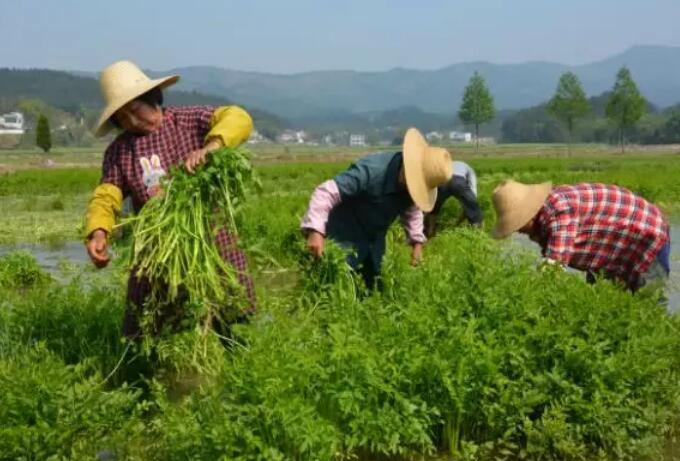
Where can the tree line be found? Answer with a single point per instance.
(619, 116)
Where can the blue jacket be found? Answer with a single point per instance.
(371, 199)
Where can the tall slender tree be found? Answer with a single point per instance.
(569, 103)
(477, 106)
(625, 105)
(43, 137)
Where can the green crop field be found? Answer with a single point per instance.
(473, 355)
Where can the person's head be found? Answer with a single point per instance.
(424, 168)
(142, 115)
(533, 231)
(133, 100)
(517, 206)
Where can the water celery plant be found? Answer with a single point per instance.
(174, 233)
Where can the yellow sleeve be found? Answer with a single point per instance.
(104, 206)
(231, 124)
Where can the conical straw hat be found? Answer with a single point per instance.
(516, 204)
(425, 168)
(121, 82)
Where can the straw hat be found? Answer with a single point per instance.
(425, 168)
(120, 83)
(516, 204)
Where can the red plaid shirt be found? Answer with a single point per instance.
(599, 227)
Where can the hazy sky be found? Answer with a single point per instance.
(299, 35)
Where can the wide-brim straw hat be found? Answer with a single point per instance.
(425, 168)
(516, 204)
(121, 82)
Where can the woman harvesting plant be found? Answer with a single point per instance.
(357, 207)
(153, 140)
(597, 228)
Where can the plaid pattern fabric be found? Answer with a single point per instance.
(598, 227)
(183, 131)
(226, 244)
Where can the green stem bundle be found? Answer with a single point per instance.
(175, 232)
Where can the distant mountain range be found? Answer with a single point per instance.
(307, 95)
(349, 100)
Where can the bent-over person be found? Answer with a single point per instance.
(463, 187)
(597, 228)
(357, 207)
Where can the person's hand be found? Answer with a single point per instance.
(97, 248)
(416, 253)
(195, 159)
(315, 243)
(199, 156)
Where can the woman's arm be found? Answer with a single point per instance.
(229, 126)
(412, 221)
(324, 198)
(103, 208)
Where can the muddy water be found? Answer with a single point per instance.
(63, 261)
(54, 257)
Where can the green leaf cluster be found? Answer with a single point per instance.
(477, 106)
(175, 234)
(43, 136)
(569, 102)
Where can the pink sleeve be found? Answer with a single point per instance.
(412, 220)
(324, 199)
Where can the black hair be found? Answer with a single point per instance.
(153, 97)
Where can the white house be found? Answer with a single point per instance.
(12, 123)
(434, 136)
(256, 138)
(292, 137)
(458, 136)
(357, 140)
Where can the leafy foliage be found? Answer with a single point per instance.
(19, 270)
(569, 102)
(474, 354)
(43, 137)
(175, 234)
(477, 106)
(626, 105)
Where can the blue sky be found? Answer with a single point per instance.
(300, 35)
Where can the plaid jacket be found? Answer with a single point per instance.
(598, 227)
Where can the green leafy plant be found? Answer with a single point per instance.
(20, 270)
(174, 233)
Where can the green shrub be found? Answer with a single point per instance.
(475, 351)
(49, 410)
(20, 270)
